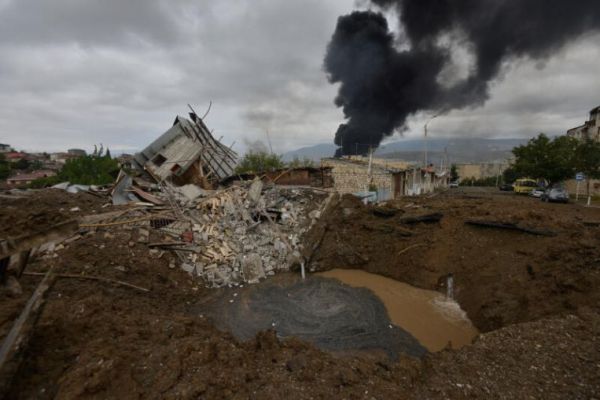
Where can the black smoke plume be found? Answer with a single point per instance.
(384, 78)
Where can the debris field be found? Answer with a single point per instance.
(129, 313)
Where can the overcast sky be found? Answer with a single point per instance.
(78, 72)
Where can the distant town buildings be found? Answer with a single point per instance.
(26, 167)
(27, 178)
(481, 170)
(590, 129)
(61, 158)
(15, 156)
(77, 152)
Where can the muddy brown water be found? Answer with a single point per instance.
(431, 318)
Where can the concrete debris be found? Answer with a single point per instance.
(243, 233)
(192, 192)
(255, 190)
(71, 188)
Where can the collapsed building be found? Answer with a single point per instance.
(187, 153)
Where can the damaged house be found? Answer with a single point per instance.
(590, 129)
(187, 153)
(389, 179)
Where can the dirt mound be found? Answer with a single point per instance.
(99, 340)
(37, 209)
(549, 359)
(501, 276)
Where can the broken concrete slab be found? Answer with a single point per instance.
(255, 191)
(252, 268)
(192, 192)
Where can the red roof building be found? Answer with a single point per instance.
(25, 179)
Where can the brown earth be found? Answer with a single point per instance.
(95, 340)
(35, 210)
(501, 277)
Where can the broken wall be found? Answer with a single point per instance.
(350, 177)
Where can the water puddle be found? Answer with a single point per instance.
(326, 312)
(427, 315)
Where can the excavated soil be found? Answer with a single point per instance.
(501, 277)
(31, 211)
(96, 340)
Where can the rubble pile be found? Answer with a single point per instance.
(243, 233)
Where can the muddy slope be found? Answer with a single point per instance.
(501, 277)
(98, 341)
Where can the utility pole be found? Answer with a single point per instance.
(425, 137)
(369, 172)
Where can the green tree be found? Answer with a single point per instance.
(22, 164)
(4, 167)
(454, 173)
(258, 162)
(301, 163)
(35, 165)
(90, 170)
(545, 158)
(510, 175)
(85, 170)
(587, 160)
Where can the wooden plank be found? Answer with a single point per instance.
(147, 196)
(18, 337)
(26, 242)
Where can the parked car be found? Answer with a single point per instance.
(453, 184)
(524, 185)
(537, 192)
(506, 187)
(556, 194)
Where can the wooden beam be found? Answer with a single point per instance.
(18, 337)
(27, 242)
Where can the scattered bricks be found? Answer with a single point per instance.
(187, 236)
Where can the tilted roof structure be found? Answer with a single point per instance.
(185, 145)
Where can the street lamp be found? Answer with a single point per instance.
(425, 135)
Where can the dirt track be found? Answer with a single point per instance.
(95, 340)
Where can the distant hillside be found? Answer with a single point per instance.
(315, 153)
(460, 150)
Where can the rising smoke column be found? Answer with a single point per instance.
(381, 85)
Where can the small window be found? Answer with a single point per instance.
(175, 168)
(159, 160)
